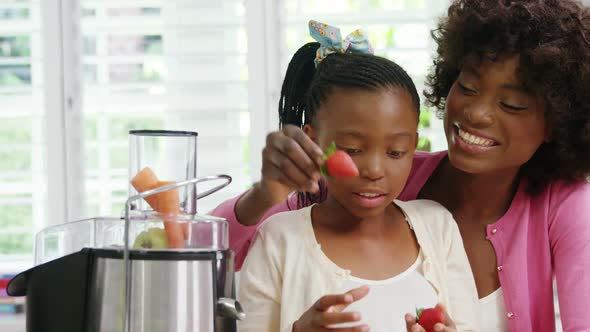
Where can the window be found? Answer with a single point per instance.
(22, 144)
(156, 67)
(70, 95)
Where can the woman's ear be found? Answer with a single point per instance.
(417, 140)
(548, 135)
(310, 132)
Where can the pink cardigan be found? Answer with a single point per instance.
(538, 238)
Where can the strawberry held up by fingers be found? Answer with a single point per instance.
(338, 164)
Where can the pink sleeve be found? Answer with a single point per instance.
(570, 245)
(240, 236)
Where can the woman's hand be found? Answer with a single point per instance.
(290, 162)
(413, 326)
(327, 311)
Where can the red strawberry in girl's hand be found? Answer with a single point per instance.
(338, 163)
(427, 318)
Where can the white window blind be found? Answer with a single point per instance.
(22, 144)
(176, 65)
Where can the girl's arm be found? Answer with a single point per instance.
(569, 234)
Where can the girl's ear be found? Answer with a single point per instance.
(310, 132)
(417, 140)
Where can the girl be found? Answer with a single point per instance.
(410, 254)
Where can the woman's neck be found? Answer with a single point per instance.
(481, 195)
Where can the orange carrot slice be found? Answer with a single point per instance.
(175, 234)
(166, 202)
(146, 180)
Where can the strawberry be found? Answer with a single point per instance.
(427, 318)
(338, 163)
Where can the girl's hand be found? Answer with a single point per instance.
(327, 311)
(413, 326)
(290, 162)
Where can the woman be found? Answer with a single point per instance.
(511, 79)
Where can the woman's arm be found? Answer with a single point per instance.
(240, 235)
(569, 234)
(290, 162)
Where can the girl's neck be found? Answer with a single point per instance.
(331, 215)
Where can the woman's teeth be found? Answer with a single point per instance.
(474, 140)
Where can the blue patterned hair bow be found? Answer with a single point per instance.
(331, 41)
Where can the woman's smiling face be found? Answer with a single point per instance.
(491, 122)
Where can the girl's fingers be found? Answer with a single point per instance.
(410, 322)
(359, 292)
(331, 318)
(439, 327)
(328, 301)
(356, 294)
(450, 322)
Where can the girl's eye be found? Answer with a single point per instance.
(396, 154)
(513, 108)
(465, 89)
(351, 151)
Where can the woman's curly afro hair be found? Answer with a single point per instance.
(552, 38)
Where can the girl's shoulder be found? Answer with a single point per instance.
(287, 224)
(428, 218)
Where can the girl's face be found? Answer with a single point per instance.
(492, 124)
(379, 131)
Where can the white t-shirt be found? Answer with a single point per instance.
(492, 312)
(384, 308)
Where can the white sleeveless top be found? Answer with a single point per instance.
(492, 316)
(384, 308)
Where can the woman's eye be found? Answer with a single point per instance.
(513, 108)
(465, 89)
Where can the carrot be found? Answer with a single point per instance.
(184, 227)
(146, 180)
(166, 202)
(174, 233)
